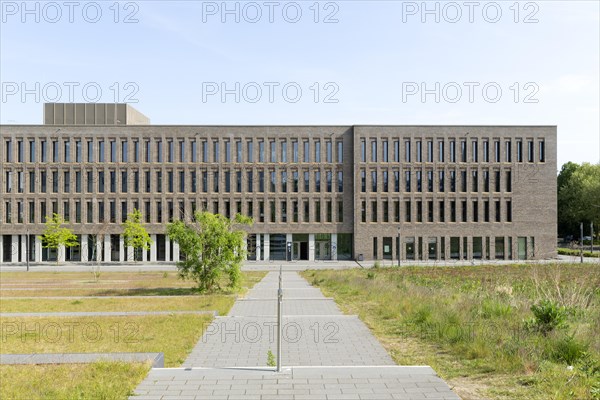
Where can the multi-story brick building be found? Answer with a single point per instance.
(321, 192)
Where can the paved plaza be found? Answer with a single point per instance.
(325, 355)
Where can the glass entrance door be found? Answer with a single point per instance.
(323, 250)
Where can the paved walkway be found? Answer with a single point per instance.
(326, 355)
(101, 313)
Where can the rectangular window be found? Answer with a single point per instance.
(66, 211)
(452, 211)
(204, 181)
(272, 211)
(441, 181)
(250, 181)
(329, 151)
(430, 181)
(32, 151)
(340, 211)
(20, 182)
(101, 212)
(136, 151)
(45, 151)
(306, 216)
(419, 151)
(31, 182)
(363, 181)
(250, 151)
(124, 151)
(542, 151)
(181, 151)
(475, 211)
(340, 152)
(441, 155)
(498, 215)
(486, 180)
(407, 211)
(228, 151)
(530, 151)
(272, 182)
(430, 151)
(273, 147)
(374, 181)
(373, 211)
(317, 181)
(205, 151)
(216, 152)
(296, 181)
(147, 181)
(396, 211)
(159, 185)
(306, 181)
(123, 211)
(407, 180)
(497, 181)
(182, 182)
(32, 212)
(385, 151)
(295, 151)
(340, 180)
(284, 151)
(463, 151)
(113, 182)
(419, 181)
(284, 181)
(113, 151)
(486, 211)
(407, 151)
(67, 182)
(386, 212)
(261, 151)
(486, 151)
(227, 181)
(396, 181)
(148, 152)
(508, 211)
(124, 188)
(496, 150)
(430, 211)
(78, 157)
(363, 211)
(261, 211)
(261, 181)
(194, 181)
(171, 151)
(442, 210)
(136, 182)
(385, 181)
(463, 181)
(396, 151)
(475, 151)
(306, 152)
(55, 151)
(453, 181)
(508, 178)
(363, 150)
(101, 151)
(54, 182)
(464, 210)
(474, 182)
(317, 151)
(67, 148)
(328, 212)
(453, 151)
(317, 211)
(508, 151)
(329, 181)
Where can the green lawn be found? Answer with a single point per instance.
(469, 324)
(174, 335)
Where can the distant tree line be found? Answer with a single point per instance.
(578, 198)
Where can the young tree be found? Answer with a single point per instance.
(212, 246)
(55, 236)
(134, 233)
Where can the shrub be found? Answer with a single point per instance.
(547, 316)
(271, 359)
(370, 275)
(566, 349)
(377, 265)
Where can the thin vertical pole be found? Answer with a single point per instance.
(279, 327)
(581, 236)
(27, 248)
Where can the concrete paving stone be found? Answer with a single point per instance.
(332, 356)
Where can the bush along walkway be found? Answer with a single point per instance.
(325, 355)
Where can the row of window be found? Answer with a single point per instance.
(454, 248)
(436, 211)
(379, 151)
(435, 181)
(176, 151)
(223, 181)
(273, 211)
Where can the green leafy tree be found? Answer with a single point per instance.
(213, 245)
(578, 197)
(56, 236)
(134, 233)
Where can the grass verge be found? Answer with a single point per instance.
(475, 326)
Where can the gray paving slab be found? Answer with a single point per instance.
(375, 382)
(101, 313)
(331, 355)
(157, 359)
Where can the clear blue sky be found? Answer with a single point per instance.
(373, 59)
